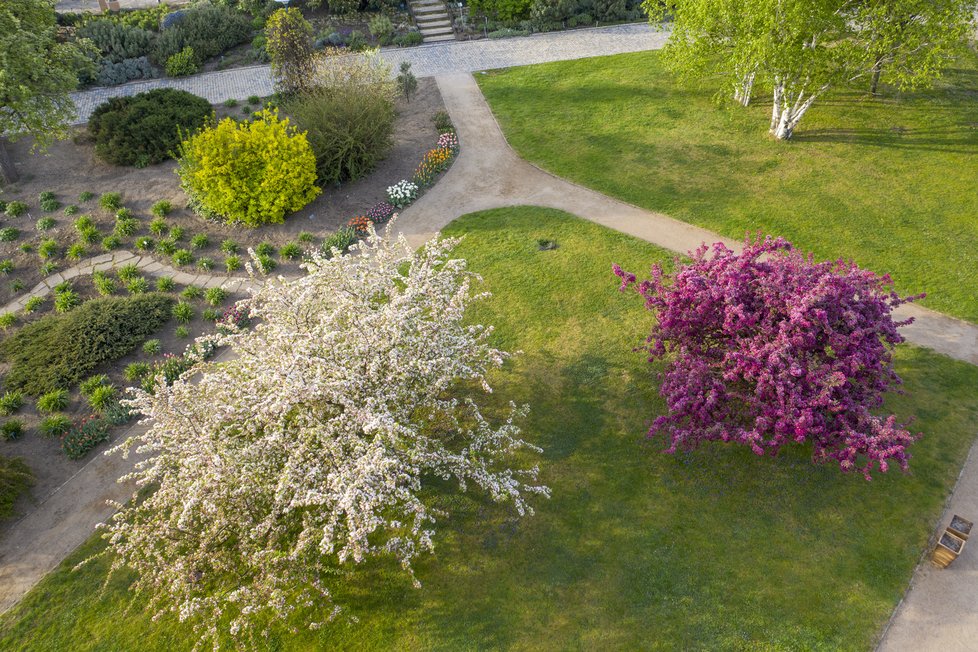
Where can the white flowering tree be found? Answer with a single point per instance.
(313, 447)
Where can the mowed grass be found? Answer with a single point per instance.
(713, 550)
(890, 182)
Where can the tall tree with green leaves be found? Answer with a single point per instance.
(289, 45)
(912, 41)
(708, 41)
(37, 71)
(801, 49)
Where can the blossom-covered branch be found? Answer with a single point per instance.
(311, 448)
(768, 347)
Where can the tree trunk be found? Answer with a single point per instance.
(875, 80)
(745, 89)
(8, 173)
(776, 104)
(792, 112)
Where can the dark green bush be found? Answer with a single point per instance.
(116, 41)
(145, 128)
(15, 479)
(209, 30)
(57, 351)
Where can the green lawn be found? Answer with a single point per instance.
(715, 550)
(890, 182)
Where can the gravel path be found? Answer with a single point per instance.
(426, 61)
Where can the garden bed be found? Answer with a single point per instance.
(44, 454)
(71, 168)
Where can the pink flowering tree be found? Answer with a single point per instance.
(768, 347)
(315, 445)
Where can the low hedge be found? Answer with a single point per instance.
(58, 351)
(146, 128)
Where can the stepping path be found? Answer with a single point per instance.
(426, 61)
(146, 264)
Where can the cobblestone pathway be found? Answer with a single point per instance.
(426, 61)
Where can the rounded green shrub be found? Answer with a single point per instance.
(55, 425)
(12, 429)
(250, 173)
(183, 63)
(146, 128)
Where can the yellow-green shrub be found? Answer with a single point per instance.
(251, 173)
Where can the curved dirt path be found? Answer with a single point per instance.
(938, 612)
(146, 264)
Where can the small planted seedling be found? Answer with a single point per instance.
(161, 208)
(45, 224)
(110, 201)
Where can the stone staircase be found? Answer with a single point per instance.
(433, 20)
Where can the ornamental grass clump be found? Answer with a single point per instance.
(250, 173)
(328, 440)
(769, 347)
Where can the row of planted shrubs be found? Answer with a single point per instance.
(520, 17)
(178, 42)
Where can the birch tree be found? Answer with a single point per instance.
(913, 41)
(708, 40)
(803, 49)
(317, 446)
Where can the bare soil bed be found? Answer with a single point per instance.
(70, 168)
(43, 454)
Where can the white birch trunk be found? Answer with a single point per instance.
(776, 104)
(745, 89)
(791, 111)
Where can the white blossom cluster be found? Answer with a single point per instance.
(402, 193)
(310, 448)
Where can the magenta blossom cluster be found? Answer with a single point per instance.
(236, 316)
(768, 347)
(380, 213)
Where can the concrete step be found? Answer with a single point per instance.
(434, 11)
(433, 22)
(428, 4)
(439, 37)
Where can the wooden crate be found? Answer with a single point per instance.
(944, 552)
(960, 527)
